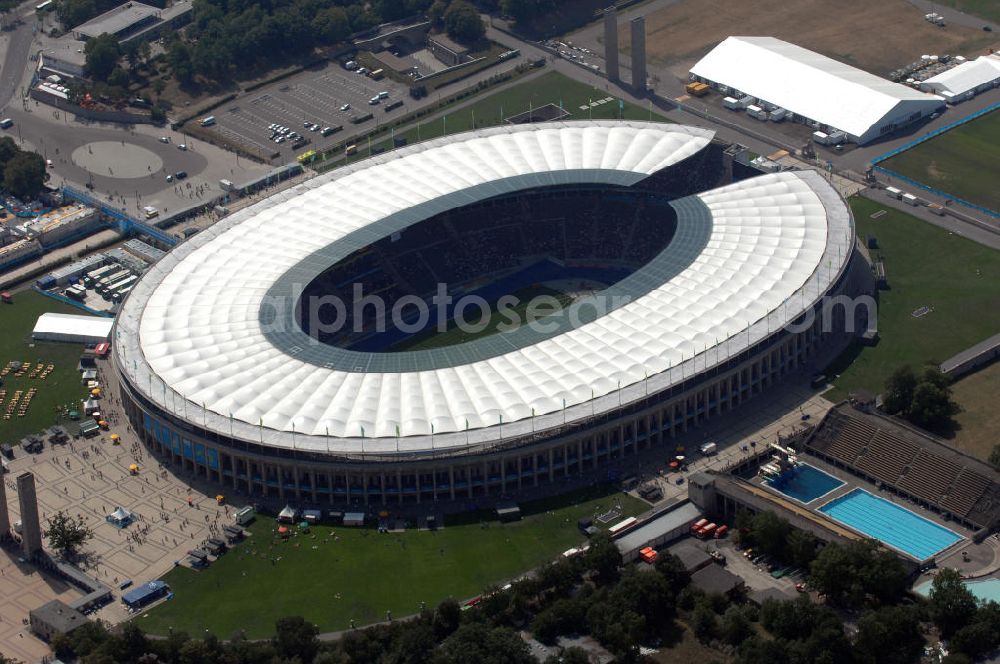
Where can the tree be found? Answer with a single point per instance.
(8, 148)
(756, 650)
(703, 621)
(801, 548)
(436, 12)
(463, 22)
(100, 56)
(179, 58)
(994, 455)
(770, 533)
(952, 605)
(932, 407)
(890, 635)
(735, 626)
(331, 25)
(478, 643)
(447, 617)
(294, 637)
(603, 558)
(525, 10)
(899, 390)
(571, 655)
(66, 533)
(672, 569)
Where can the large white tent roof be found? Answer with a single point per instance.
(967, 76)
(70, 327)
(190, 337)
(805, 82)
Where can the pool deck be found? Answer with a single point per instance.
(944, 557)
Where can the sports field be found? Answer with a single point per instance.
(335, 574)
(926, 267)
(60, 388)
(964, 161)
(456, 335)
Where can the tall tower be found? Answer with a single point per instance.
(4, 517)
(31, 531)
(611, 42)
(639, 54)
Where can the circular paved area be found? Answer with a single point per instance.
(121, 160)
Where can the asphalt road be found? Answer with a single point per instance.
(15, 60)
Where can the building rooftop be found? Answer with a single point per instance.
(970, 353)
(689, 553)
(715, 580)
(657, 527)
(117, 20)
(59, 615)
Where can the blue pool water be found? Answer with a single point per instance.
(987, 590)
(891, 524)
(805, 483)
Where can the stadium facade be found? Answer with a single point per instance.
(222, 377)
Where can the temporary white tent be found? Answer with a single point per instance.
(288, 514)
(813, 86)
(967, 79)
(73, 329)
(120, 518)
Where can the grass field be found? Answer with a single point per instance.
(988, 9)
(926, 266)
(337, 574)
(875, 36)
(963, 161)
(59, 388)
(455, 335)
(549, 88)
(979, 421)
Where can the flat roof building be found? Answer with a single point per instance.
(659, 530)
(814, 88)
(135, 21)
(54, 619)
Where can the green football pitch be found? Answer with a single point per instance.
(335, 574)
(963, 162)
(926, 267)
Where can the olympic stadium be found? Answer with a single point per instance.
(675, 293)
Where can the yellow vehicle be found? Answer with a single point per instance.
(351, 149)
(307, 157)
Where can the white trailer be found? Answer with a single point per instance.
(732, 103)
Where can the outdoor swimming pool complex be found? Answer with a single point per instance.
(891, 524)
(805, 483)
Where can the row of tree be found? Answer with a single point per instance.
(924, 399)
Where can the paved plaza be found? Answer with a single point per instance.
(91, 478)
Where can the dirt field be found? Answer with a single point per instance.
(875, 36)
(979, 419)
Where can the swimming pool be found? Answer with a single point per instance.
(891, 524)
(987, 590)
(805, 483)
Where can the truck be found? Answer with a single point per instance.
(777, 115)
(696, 89)
(76, 292)
(377, 75)
(756, 112)
(226, 185)
(94, 276)
(732, 103)
(208, 122)
(893, 192)
(122, 293)
(698, 525)
(705, 531)
(709, 449)
(117, 288)
(245, 516)
(6, 123)
(821, 137)
(111, 280)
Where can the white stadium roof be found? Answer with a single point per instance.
(190, 335)
(807, 83)
(72, 328)
(982, 71)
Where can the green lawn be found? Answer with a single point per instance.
(549, 88)
(963, 161)
(988, 9)
(61, 387)
(926, 266)
(455, 335)
(361, 573)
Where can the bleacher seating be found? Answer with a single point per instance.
(929, 476)
(881, 452)
(886, 456)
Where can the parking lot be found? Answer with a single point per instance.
(316, 97)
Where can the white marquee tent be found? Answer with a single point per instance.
(72, 328)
